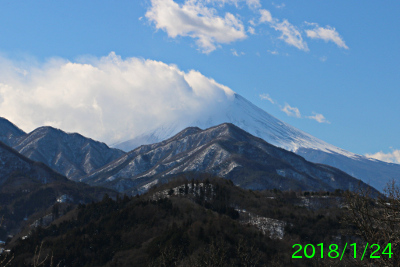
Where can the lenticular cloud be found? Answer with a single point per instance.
(109, 99)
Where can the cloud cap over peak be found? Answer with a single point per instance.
(110, 99)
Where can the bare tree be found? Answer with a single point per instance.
(6, 261)
(376, 221)
(214, 255)
(247, 254)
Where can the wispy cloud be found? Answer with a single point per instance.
(393, 157)
(197, 21)
(279, 6)
(205, 22)
(294, 111)
(267, 97)
(251, 30)
(328, 34)
(289, 33)
(323, 58)
(236, 53)
(318, 117)
(291, 111)
(253, 3)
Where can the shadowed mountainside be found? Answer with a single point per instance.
(226, 151)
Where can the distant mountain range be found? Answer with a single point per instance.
(70, 154)
(226, 151)
(84, 159)
(256, 121)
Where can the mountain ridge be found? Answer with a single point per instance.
(70, 154)
(9, 132)
(224, 150)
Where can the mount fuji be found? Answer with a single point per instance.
(242, 113)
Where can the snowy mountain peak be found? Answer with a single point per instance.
(242, 113)
(248, 117)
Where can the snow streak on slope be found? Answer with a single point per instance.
(70, 154)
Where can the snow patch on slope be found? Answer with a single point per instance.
(275, 228)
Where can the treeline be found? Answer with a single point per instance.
(23, 199)
(195, 221)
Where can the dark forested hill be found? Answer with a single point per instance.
(28, 187)
(201, 222)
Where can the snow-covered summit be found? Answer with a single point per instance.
(247, 116)
(244, 114)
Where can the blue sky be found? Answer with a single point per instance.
(330, 68)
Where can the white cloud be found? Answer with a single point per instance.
(236, 54)
(323, 58)
(291, 111)
(201, 20)
(290, 34)
(251, 30)
(273, 52)
(265, 16)
(195, 20)
(393, 157)
(279, 6)
(253, 4)
(327, 34)
(318, 117)
(108, 99)
(267, 97)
